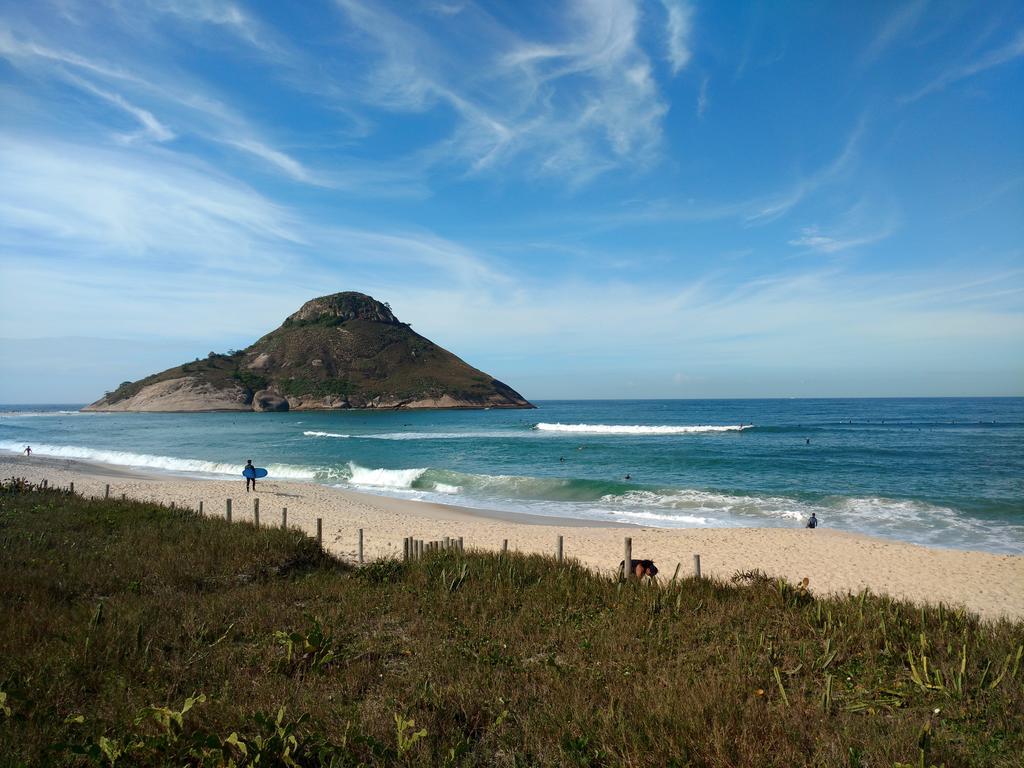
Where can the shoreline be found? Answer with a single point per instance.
(991, 585)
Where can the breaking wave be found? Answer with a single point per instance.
(311, 433)
(639, 429)
(384, 478)
(149, 461)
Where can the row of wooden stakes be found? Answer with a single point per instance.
(413, 548)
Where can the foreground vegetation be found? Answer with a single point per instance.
(132, 634)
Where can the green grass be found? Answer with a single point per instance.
(132, 634)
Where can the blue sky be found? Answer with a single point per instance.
(591, 198)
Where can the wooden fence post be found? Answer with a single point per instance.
(560, 541)
(106, 493)
(71, 487)
(227, 510)
(461, 545)
(360, 550)
(696, 565)
(256, 513)
(627, 558)
(504, 546)
(284, 517)
(320, 532)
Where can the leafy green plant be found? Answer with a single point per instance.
(405, 734)
(311, 650)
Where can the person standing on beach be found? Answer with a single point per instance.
(28, 451)
(250, 475)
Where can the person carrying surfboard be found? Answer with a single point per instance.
(250, 475)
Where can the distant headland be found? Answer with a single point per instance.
(346, 350)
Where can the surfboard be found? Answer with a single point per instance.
(254, 472)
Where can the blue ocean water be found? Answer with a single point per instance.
(942, 472)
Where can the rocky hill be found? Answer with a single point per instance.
(346, 350)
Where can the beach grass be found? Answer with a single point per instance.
(133, 634)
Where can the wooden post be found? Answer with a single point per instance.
(71, 487)
(200, 507)
(447, 542)
(627, 558)
(256, 513)
(360, 550)
(227, 510)
(45, 483)
(461, 545)
(106, 493)
(696, 566)
(405, 549)
(320, 532)
(504, 546)
(560, 541)
(284, 517)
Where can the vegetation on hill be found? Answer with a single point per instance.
(132, 634)
(342, 350)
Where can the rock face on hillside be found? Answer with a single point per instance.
(346, 350)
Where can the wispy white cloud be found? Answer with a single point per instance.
(771, 208)
(572, 107)
(702, 97)
(679, 31)
(196, 111)
(899, 23)
(151, 127)
(130, 207)
(996, 57)
(813, 238)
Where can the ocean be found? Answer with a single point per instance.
(946, 472)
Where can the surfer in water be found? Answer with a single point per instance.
(250, 475)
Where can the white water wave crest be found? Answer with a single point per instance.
(639, 429)
(312, 433)
(36, 414)
(149, 461)
(384, 478)
(442, 435)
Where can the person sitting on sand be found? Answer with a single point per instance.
(641, 568)
(250, 475)
(813, 522)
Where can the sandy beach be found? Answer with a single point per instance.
(989, 584)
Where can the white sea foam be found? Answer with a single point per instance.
(442, 435)
(663, 519)
(384, 478)
(639, 429)
(446, 488)
(149, 461)
(311, 433)
(36, 414)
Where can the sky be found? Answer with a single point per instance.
(584, 198)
